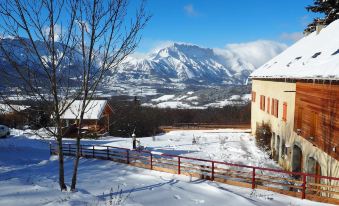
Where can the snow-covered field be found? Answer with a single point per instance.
(190, 101)
(28, 175)
(229, 145)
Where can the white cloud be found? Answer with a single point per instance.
(256, 52)
(295, 36)
(190, 10)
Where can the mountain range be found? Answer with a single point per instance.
(173, 69)
(182, 65)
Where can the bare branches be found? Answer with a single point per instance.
(58, 51)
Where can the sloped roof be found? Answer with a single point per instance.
(5, 108)
(93, 111)
(315, 56)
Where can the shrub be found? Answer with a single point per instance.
(263, 135)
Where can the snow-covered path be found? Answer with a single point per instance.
(28, 176)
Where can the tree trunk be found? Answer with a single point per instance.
(76, 164)
(77, 156)
(61, 166)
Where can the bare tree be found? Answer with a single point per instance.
(36, 51)
(103, 25)
(58, 51)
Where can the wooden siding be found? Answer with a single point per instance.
(317, 115)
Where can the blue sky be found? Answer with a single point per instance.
(217, 23)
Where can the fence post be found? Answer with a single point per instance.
(303, 194)
(253, 178)
(127, 156)
(81, 150)
(69, 149)
(151, 159)
(107, 152)
(212, 170)
(179, 165)
(93, 155)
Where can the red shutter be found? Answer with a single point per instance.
(253, 96)
(262, 102)
(276, 108)
(263, 106)
(284, 112)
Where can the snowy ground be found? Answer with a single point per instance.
(229, 145)
(28, 175)
(190, 100)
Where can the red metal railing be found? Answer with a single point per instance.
(249, 176)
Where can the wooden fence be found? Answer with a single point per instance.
(203, 126)
(302, 185)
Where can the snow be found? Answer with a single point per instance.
(229, 145)
(5, 108)
(176, 105)
(246, 97)
(312, 57)
(28, 174)
(192, 98)
(93, 110)
(164, 98)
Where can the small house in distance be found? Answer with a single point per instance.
(12, 115)
(96, 118)
(297, 95)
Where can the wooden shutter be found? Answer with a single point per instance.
(277, 108)
(262, 102)
(268, 104)
(253, 96)
(284, 117)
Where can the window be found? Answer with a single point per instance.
(284, 117)
(268, 104)
(262, 102)
(253, 96)
(272, 107)
(316, 55)
(283, 148)
(336, 52)
(275, 107)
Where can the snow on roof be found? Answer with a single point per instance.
(315, 56)
(93, 111)
(5, 108)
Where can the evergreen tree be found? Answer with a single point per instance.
(330, 8)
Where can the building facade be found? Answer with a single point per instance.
(304, 120)
(297, 95)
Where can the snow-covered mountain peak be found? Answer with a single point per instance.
(185, 65)
(184, 50)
